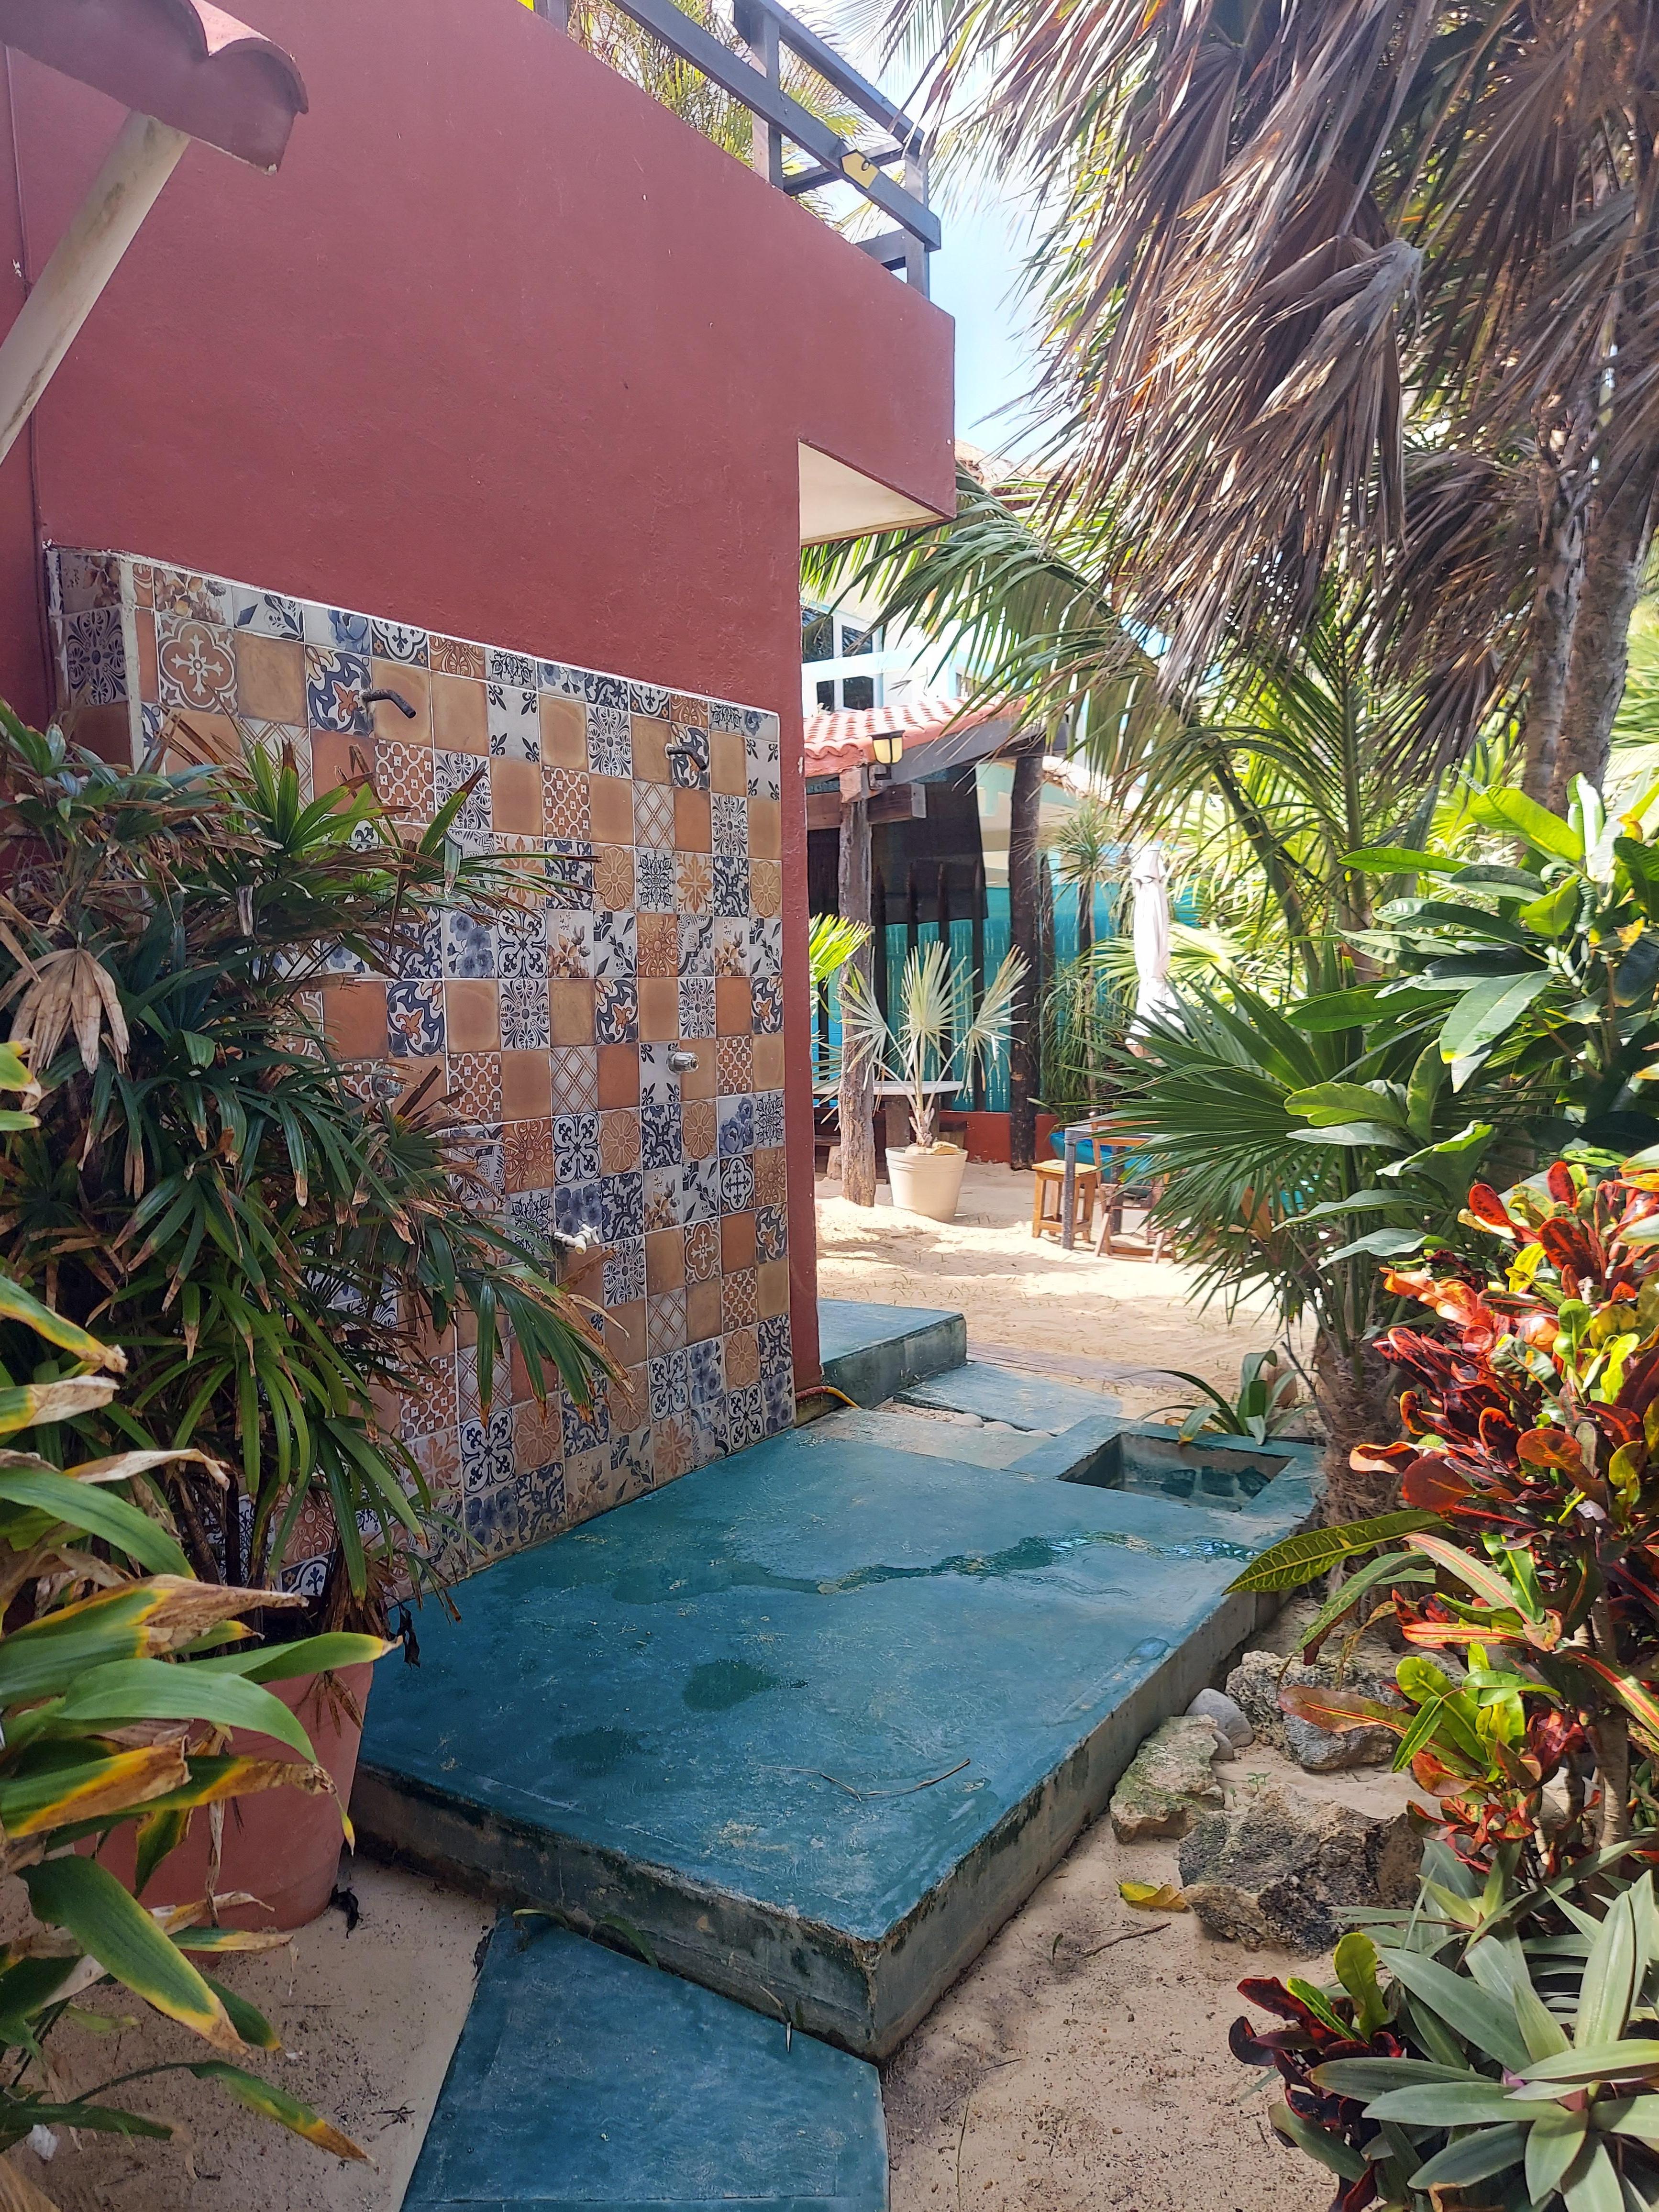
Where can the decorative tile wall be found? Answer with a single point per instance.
(552, 1031)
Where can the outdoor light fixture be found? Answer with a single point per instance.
(889, 747)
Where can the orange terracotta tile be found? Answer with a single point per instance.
(665, 1260)
(699, 1080)
(619, 1141)
(651, 740)
(768, 1063)
(630, 1400)
(734, 1011)
(772, 1288)
(702, 1312)
(459, 723)
(766, 888)
(702, 1252)
(737, 1243)
(771, 1188)
(472, 1017)
(659, 944)
(739, 1305)
(610, 810)
(571, 1002)
(527, 1149)
(619, 1075)
(456, 656)
(538, 1438)
(564, 733)
(149, 688)
(336, 758)
(564, 803)
(692, 833)
(624, 1332)
(765, 829)
(105, 731)
(699, 1131)
(271, 678)
(354, 1016)
(526, 1086)
(474, 1084)
(515, 797)
(659, 1008)
(613, 879)
(742, 1359)
(729, 766)
(412, 1073)
(411, 683)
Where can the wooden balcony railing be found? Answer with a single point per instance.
(891, 175)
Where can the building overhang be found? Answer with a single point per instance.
(839, 502)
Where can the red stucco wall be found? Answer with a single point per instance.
(505, 349)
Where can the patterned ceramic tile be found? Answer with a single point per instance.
(654, 816)
(514, 718)
(594, 1141)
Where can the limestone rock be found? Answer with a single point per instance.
(1275, 1868)
(1167, 1783)
(1254, 1685)
(1225, 1716)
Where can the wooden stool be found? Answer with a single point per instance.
(1050, 1175)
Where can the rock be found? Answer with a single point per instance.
(1254, 1685)
(1167, 1783)
(1275, 1869)
(1225, 1715)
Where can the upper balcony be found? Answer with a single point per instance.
(881, 152)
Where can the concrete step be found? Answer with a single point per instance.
(586, 2080)
(1039, 1402)
(814, 1719)
(870, 1351)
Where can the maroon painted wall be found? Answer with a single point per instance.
(505, 349)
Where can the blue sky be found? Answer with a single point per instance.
(975, 278)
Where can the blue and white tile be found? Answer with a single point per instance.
(542, 1509)
(521, 944)
(336, 681)
(95, 657)
(559, 682)
(609, 741)
(653, 882)
(660, 1135)
(746, 1418)
(688, 757)
(773, 1334)
(670, 1384)
(504, 667)
(602, 690)
(453, 772)
(495, 1525)
(771, 1232)
(731, 825)
(697, 1005)
(731, 884)
(530, 1215)
(697, 946)
(624, 1272)
(737, 1175)
(415, 1017)
(700, 1191)
(469, 947)
(525, 1017)
(648, 699)
(705, 1377)
(736, 1117)
(514, 713)
(486, 1447)
(336, 629)
(585, 1428)
(623, 1202)
(575, 1147)
(615, 953)
(577, 1207)
(769, 1118)
(658, 1084)
(399, 642)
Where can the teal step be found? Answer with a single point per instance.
(585, 2081)
(1000, 1393)
(870, 1351)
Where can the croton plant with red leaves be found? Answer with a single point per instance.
(1526, 1551)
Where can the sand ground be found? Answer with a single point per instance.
(1081, 2062)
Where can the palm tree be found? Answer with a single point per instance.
(1279, 231)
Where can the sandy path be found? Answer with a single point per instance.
(1102, 1321)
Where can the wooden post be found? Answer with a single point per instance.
(857, 1099)
(759, 32)
(1025, 930)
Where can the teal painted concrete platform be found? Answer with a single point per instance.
(998, 1394)
(585, 2081)
(814, 1720)
(870, 1351)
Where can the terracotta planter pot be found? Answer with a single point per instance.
(927, 1182)
(281, 1845)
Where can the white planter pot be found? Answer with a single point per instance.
(928, 1183)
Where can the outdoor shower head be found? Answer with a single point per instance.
(396, 698)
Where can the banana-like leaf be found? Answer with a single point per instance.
(273, 2103)
(1365, 2078)
(1471, 2103)
(1302, 1557)
(1628, 2059)
(159, 1689)
(310, 1655)
(249, 2022)
(114, 1928)
(88, 1788)
(18, 1305)
(158, 1834)
(84, 1505)
(33, 1405)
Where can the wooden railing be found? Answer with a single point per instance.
(770, 31)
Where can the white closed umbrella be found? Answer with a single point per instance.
(1154, 998)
